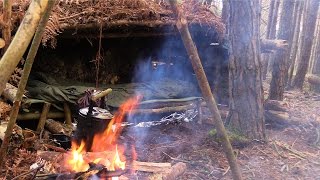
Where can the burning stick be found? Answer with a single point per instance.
(136, 165)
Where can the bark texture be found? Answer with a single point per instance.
(21, 40)
(295, 41)
(308, 31)
(280, 70)
(6, 31)
(246, 91)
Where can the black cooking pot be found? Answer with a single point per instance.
(91, 122)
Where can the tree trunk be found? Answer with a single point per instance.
(20, 41)
(246, 91)
(226, 13)
(308, 30)
(295, 42)
(316, 52)
(272, 19)
(272, 33)
(316, 65)
(280, 70)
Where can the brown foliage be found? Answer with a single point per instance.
(72, 13)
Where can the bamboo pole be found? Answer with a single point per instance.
(6, 31)
(34, 116)
(192, 51)
(48, 5)
(21, 41)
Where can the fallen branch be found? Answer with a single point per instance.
(56, 127)
(151, 167)
(313, 79)
(55, 148)
(175, 171)
(10, 92)
(271, 45)
(163, 110)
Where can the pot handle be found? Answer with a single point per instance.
(101, 94)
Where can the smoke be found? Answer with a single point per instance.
(166, 73)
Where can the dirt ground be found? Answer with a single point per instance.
(292, 152)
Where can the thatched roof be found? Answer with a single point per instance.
(79, 17)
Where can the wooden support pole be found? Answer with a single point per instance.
(192, 51)
(34, 116)
(21, 40)
(67, 112)
(6, 31)
(48, 5)
(43, 116)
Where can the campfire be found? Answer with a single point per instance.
(110, 154)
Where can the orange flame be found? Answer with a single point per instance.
(77, 162)
(104, 142)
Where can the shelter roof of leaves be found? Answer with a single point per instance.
(119, 18)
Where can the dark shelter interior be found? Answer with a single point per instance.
(159, 61)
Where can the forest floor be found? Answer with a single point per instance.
(291, 152)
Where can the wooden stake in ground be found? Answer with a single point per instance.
(21, 41)
(43, 116)
(67, 112)
(26, 71)
(192, 51)
(6, 31)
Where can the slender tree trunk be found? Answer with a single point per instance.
(272, 33)
(246, 91)
(316, 64)
(294, 23)
(226, 13)
(280, 70)
(6, 31)
(24, 78)
(295, 42)
(272, 19)
(21, 40)
(315, 48)
(308, 32)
